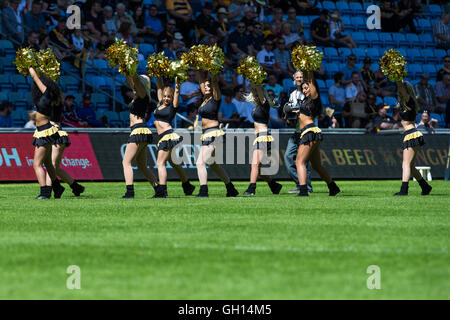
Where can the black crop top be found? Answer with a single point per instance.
(210, 110)
(261, 114)
(311, 107)
(56, 113)
(411, 114)
(140, 106)
(45, 103)
(165, 114)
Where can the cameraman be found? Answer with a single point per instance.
(291, 114)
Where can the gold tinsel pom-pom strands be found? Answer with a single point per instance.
(203, 57)
(252, 70)
(178, 71)
(158, 65)
(26, 58)
(393, 65)
(48, 64)
(121, 55)
(306, 58)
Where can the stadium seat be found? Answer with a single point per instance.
(146, 49)
(375, 66)
(18, 99)
(356, 8)
(113, 118)
(5, 83)
(102, 65)
(329, 5)
(386, 39)
(415, 55)
(322, 86)
(435, 10)
(414, 70)
(427, 39)
(331, 69)
(343, 54)
(413, 40)
(390, 101)
(124, 116)
(331, 54)
(440, 54)
(288, 84)
(6, 64)
(68, 68)
(6, 47)
(69, 83)
(424, 25)
(359, 37)
(360, 54)
(20, 82)
(430, 69)
(100, 100)
(428, 55)
(359, 22)
(324, 99)
(373, 39)
(343, 8)
(329, 83)
(348, 23)
(373, 53)
(3, 96)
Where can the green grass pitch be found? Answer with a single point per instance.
(262, 247)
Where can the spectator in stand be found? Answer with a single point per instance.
(249, 18)
(283, 59)
(206, 25)
(266, 56)
(32, 40)
(174, 45)
(61, 37)
(124, 33)
(181, 12)
(95, 21)
(296, 25)
(110, 25)
(236, 11)
(12, 19)
(239, 43)
(372, 112)
(277, 22)
(353, 120)
(154, 26)
(385, 122)
(443, 93)
(139, 20)
(190, 90)
(257, 38)
(6, 120)
(31, 124)
(87, 114)
(426, 95)
(445, 69)
(349, 69)
(167, 34)
(243, 107)
(289, 37)
(228, 113)
(390, 21)
(34, 19)
(192, 113)
(274, 86)
(320, 30)
(121, 17)
(328, 120)
(407, 10)
(427, 123)
(337, 29)
(387, 87)
(368, 76)
(336, 92)
(224, 26)
(441, 32)
(69, 117)
(354, 88)
(307, 7)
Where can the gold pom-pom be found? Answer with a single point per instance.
(216, 59)
(306, 58)
(252, 70)
(178, 71)
(121, 55)
(26, 58)
(393, 65)
(158, 65)
(203, 57)
(48, 64)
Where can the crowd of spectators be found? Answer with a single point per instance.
(241, 28)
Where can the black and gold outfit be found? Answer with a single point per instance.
(47, 133)
(210, 110)
(56, 117)
(311, 108)
(263, 140)
(408, 112)
(168, 139)
(140, 132)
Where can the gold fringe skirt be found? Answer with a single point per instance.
(412, 138)
(140, 133)
(263, 141)
(63, 137)
(46, 134)
(310, 133)
(212, 136)
(168, 139)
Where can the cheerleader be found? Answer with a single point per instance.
(263, 140)
(211, 136)
(167, 138)
(57, 152)
(140, 135)
(412, 138)
(45, 95)
(310, 138)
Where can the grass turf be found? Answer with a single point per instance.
(263, 247)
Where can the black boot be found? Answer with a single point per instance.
(231, 190)
(303, 191)
(275, 187)
(251, 190)
(188, 188)
(58, 189)
(203, 193)
(403, 190)
(160, 191)
(426, 188)
(333, 188)
(130, 192)
(77, 189)
(46, 193)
